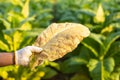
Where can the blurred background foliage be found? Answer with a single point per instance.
(96, 58)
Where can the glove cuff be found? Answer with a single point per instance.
(15, 58)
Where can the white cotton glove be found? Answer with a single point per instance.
(23, 55)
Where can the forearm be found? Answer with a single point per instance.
(6, 59)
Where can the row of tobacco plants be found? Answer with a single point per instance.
(96, 57)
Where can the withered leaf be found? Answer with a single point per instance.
(59, 39)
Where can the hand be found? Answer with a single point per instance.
(23, 55)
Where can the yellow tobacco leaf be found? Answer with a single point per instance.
(17, 40)
(40, 74)
(25, 9)
(100, 16)
(9, 40)
(4, 46)
(26, 26)
(58, 40)
(17, 2)
(4, 74)
(107, 29)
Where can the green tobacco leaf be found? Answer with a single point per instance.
(80, 76)
(3, 46)
(55, 65)
(26, 20)
(117, 59)
(114, 49)
(112, 18)
(98, 38)
(9, 32)
(87, 12)
(14, 38)
(115, 76)
(101, 70)
(28, 40)
(92, 45)
(85, 54)
(6, 23)
(14, 19)
(49, 73)
(9, 41)
(72, 64)
(109, 40)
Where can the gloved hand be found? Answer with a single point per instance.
(23, 55)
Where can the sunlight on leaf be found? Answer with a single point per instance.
(100, 16)
(17, 2)
(109, 40)
(26, 26)
(6, 23)
(25, 10)
(10, 78)
(91, 48)
(3, 46)
(98, 38)
(17, 39)
(40, 74)
(107, 29)
(76, 62)
(80, 76)
(49, 72)
(23, 78)
(115, 76)
(14, 15)
(55, 65)
(10, 41)
(101, 70)
(4, 71)
(4, 74)
(92, 64)
(26, 21)
(114, 49)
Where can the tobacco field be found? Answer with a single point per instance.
(97, 57)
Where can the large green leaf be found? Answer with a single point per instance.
(6, 23)
(80, 76)
(85, 53)
(25, 21)
(114, 49)
(115, 76)
(109, 40)
(72, 64)
(49, 72)
(92, 45)
(13, 37)
(100, 70)
(98, 38)
(3, 46)
(29, 36)
(80, 56)
(112, 18)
